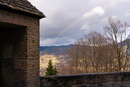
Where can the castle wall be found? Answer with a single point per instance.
(114, 79)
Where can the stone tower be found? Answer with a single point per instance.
(19, 44)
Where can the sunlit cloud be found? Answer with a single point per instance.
(127, 14)
(85, 27)
(114, 17)
(94, 11)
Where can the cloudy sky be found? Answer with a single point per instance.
(68, 20)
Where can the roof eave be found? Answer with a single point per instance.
(16, 10)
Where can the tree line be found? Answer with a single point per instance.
(96, 52)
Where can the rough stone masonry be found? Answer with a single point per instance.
(114, 79)
(19, 44)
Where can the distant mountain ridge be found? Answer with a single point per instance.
(61, 50)
(126, 43)
(54, 50)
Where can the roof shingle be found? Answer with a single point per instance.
(21, 6)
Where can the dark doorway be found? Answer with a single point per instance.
(10, 41)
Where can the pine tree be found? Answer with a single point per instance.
(55, 71)
(50, 69)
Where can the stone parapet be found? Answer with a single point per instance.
(114, 79)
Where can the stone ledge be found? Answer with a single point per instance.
(113, 79)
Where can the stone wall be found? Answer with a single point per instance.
(19, 42)
(115, 79)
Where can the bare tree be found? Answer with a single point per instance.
(98, 46)
(126, 53)
(116, 31)
(90, 54)
(101, 53)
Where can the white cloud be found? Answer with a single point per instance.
(114, 17)
(97, 10)
(47, 42)
(85, 27)
(127, 14)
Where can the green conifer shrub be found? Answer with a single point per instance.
(50, 70)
